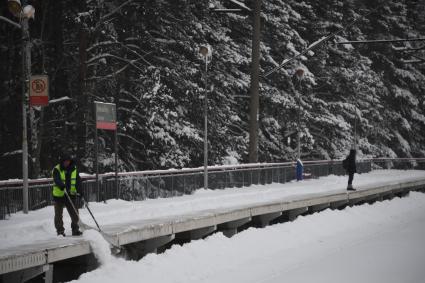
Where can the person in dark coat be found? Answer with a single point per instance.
(66, 177)
(350, 167)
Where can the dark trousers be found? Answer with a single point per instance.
(59, 205)
(350, 178)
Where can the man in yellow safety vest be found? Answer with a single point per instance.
(66, 177)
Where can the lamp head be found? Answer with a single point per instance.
(299, 73)
(29, 12)
(15, 7)
(204, 50)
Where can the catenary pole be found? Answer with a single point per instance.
(255, 82)
(206, 126)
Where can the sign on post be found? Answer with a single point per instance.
(106, 117)
(39, 90)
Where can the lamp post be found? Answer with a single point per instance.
(255, 71)
(299, 73)
(206, 52)
(24, 12)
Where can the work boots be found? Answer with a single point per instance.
(77, 233)
(350, 188)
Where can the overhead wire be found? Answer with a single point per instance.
(319, 42)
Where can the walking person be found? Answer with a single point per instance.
(66, 177)
(349, 165)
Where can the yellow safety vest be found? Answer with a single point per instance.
(57, 192)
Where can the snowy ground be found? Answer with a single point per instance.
(369, 243)
(37, 226)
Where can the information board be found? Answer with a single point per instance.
(106, 117)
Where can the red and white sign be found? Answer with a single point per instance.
(106, 116)
(39, 90)
(106, 125)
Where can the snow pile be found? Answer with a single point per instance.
(99, 246)
(370, 243)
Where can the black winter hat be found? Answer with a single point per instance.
(66, 156)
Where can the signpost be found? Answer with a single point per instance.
(106, 119)
(39, 90)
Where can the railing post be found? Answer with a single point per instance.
(184, 184)
(148, 187)
(97, 190)
(250, 176)
(132, 188)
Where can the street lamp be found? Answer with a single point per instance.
(24, 12)
(206, 52)
(15, 7)
(299, 74)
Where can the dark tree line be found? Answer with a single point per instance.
(143, 56)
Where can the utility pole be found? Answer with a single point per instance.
(255, 73)
(206, 52)
(24, 13)
(26, 69)
(206, 127)
(299, 73)
(82, 100)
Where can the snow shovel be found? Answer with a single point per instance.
(116, 249)
(87, 206)
(80, 223)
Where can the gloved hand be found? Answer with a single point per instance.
(79, 194)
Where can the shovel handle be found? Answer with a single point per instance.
(87, 206)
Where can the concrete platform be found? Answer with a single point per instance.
(196, 224)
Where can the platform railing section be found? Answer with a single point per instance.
(176, 182)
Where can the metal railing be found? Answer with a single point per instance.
(176, 182)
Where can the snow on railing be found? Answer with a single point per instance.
(211, 169)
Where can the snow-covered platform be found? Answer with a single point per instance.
(229, 219)
(27, 241)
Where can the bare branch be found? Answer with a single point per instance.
(382, 40)
(115, 10)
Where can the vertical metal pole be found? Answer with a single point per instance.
(184, 184)
(205, 127)
(355, 127)
(26, 68)
(355, 121)
(116, 165)
(299, 122)
(255, 82)
(132, 188)
(96, 163)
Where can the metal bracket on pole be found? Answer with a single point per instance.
(16, 25)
